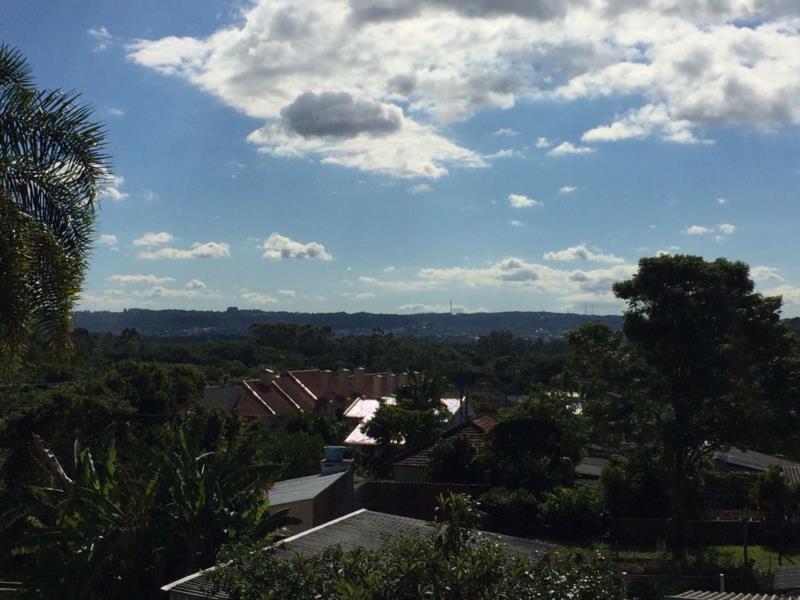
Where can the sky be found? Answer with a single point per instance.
(397, 155)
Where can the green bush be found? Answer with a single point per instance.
(512, 512)
(576, 513)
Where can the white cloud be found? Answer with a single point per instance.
(198, 250)
(507, 131)
(154, 239)
(111, 191)
(357, 295)
(699, 230)
(581, 252)
(278, 247)
(516, 223)
(116, 112)
(388, 269)
(521, 201)
(422, 308)
(791, 297)
(257, 298)
(567, 189)
(722, 201)
(565, 148)
(389, 75)
(542, 142)
(141, 279)
(102, 38)
(726, 229)
(398, 285)
(187, 292)
(762, 274)
(504, 153)
(420, 188)
(195, 284)
(287, 293)
(108, 239)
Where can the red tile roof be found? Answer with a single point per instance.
(474, 430)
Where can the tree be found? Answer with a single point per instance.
(51, 168)
(705, 363)
(453, 461)
(537, 443)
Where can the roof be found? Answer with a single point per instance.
(475, 430)
(787, 578)
(365, 408)
(750, 459)
(301, 488)
(591, 467)
(696, 595)
(359, 529)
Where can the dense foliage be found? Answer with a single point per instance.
(452, 563)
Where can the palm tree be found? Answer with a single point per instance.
(52, 168)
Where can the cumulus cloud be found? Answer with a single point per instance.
(542, 142)
(258, 298)
(581, 252)
(111, 191)
(279, 247)
(516, 223)
(420, 188)
(507, 131)
(422, 308)
(413, 66)
(287, 293)
(567, 189)
(565, 148)
(726, 229)
(195, 284)
(338, 114)
(154, 239)
(761, 274)
(141, 279)
(108, 239)
(699, 230)
(198, 250)
(722, 230)
(521, 201)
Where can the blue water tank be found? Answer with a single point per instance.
(334, 453)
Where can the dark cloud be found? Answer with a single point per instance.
(403, 84)
(387, 10)
(338, 114)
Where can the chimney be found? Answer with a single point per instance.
(326, 377)
(358, 381)
(265, 377)
(391, 379)
(377, 386)
(334, 461)
(343, 382)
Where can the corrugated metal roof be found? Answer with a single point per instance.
(360, 529)
(697, 595)
(301, 488)
(787, 578)
(750, 459)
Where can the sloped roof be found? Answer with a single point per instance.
(359, 529)
(475, 430)
(301, 488)
(750, 459)
(787, 578)
(697, 595)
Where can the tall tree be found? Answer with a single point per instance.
(52, 167)
(713, 366)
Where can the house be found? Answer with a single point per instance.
(736, 459)
(361, 411)
(316, 499)
(787, 579)
(415, 464)
(358, 529)
(698, 595)
(274, 395)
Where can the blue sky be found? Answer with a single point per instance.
(392, 156)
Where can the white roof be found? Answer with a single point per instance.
(365, 409)
(301, 488)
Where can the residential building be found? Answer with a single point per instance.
(358, 529)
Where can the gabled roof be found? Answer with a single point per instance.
(750, 459)
(697, 595)
(301, 488)
(475, 430)
(359, 529)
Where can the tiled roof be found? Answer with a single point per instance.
(696, 595)
(301, 488)
(475, 430)
(787, 578)
(360, 529)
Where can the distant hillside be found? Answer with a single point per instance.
(234, 322)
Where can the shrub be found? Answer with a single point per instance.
(576, 512)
